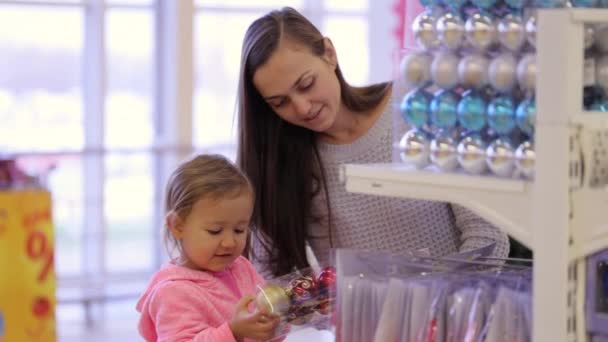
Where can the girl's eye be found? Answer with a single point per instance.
(214, 232)
(239, 231)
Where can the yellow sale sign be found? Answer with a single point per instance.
(27, 276)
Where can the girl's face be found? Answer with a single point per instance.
(214, 234)
(301, 88)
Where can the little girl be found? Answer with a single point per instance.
(203, 294)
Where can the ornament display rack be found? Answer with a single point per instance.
(560, 215)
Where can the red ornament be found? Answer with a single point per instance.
(303, 290)
(324, 307)
(327, 279)
(41, 307)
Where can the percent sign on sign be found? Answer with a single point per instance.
(38, 249)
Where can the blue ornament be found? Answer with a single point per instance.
(516, 4)
(430, 3)
(454, 4)
(525, 116)
(584, 3)
(415, 107)
(600, 106)
(484, 4)
(501, 114)
(548, 3)
(472, 111)
(444, 109)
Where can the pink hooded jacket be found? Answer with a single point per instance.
(181, 304)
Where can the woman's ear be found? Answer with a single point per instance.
(174, 224)
(330, 55)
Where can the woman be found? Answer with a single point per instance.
(298, 121)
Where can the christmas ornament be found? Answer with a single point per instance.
(511, 32)
(525, 158)
(525, 116)
(450, 30)
(471, 111)
(443, 152)
(443, 109)
(414, 148)
(415, 107)
(473, 71)
(273, 299)
(423, 28)
(499, 157)
(530, 29)
(501, 114)
(501, 73)
(302, 290)
(480, 31)
(416, 69)
(526, 72)
(471, 154)
(444, 70)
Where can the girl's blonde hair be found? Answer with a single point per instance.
(203, 176)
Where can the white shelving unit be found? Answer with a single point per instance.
(558, 215)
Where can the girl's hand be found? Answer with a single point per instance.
(257, 325)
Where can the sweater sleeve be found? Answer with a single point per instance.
(177, 317)
(477, 232)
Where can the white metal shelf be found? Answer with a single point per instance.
(561, 223)
(504, 202)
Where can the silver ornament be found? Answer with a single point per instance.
(525, 158)
(480, 31)
(414, 148)
(450, 30)
(501, 73)
(601, 72)
(526, 72)
(444, 70)
(443, 152)
(472, 155)
(589, 36)
(499, 157)
(601, 37)
(423, 28)
(473, 71)
(511, 32)
(530, 29)
(416, 69)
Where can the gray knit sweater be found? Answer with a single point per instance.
(386, 223)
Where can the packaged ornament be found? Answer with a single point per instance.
(301, 299)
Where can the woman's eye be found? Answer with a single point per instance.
(308, 84)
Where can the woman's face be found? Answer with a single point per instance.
(301, 88)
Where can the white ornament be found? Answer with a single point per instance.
(501, 73)
(472, 155)
(444, 70)
(450, 30)
(526, 72)
(499, 157)
(525, 158)
(473, 71)
(423, 28)
(480, 31)
(511, 32)
(416, 69)
(414, 148)
(443, 152)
